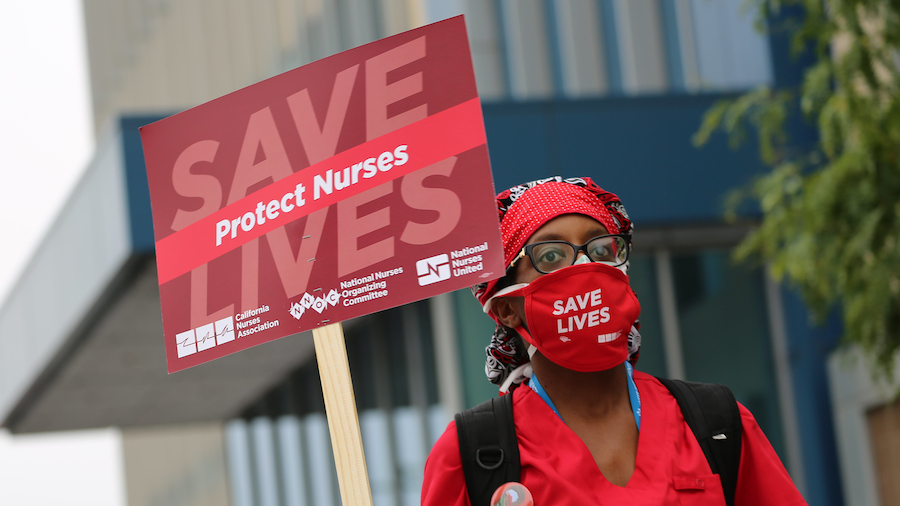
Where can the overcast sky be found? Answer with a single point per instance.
(46, 140)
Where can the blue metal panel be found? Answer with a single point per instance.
(638, 147)
(808, 346)
(137, 188)
(787, 67)
(808, 350)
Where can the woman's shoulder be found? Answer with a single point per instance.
(445, 451)
(644, 381)
(446, 448)
(443, 481)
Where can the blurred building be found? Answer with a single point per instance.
(612, 89)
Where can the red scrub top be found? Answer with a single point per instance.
(670, 468)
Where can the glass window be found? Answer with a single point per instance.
(280, 452)
(577, 48)
(359, 23)
(474, 330)
(375, 427)
(240, 470)
(731, 54)
(264, 459)
(642, 275)
(437, 10)
(724, 330)
(322, 28)
(411, 451)
(293, 472)
(323, 476)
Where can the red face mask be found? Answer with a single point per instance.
(579, 317)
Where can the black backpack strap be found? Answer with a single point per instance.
(488, 447)
(711, 412)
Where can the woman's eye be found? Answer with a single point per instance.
(601, 251)
(550, 256)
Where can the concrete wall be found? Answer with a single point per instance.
(180, 465)
(83, 251)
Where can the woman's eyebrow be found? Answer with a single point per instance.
(548, 236)
(552, 236)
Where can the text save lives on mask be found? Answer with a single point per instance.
(579, 317)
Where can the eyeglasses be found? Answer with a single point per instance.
(549, 256)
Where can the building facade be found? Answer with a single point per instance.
(611, 89)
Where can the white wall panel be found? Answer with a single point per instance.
(359, 22)
(853, 393)
(176, 465)
(84, 249)
(290, 454)
(218, 48)
(641, 40)
(266, 459)
(436, 10)
(687, 45)
(240, 468)
(731, 54)
(323, 28)
(266, 50)
(581, 47)
(374, 425)
(486, 46)
(322, 470)
(411, 453)
(527, 49)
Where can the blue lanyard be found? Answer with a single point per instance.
(633, 394)
(538, 389)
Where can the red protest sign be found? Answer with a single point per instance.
(354, 184)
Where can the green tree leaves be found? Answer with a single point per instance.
(831, 212)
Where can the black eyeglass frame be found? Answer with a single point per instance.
(527, 251)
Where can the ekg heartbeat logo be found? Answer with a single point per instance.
(205, 337)
(434, 269)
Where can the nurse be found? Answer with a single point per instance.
(590, 428)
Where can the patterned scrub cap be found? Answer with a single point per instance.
(525, 208)
(522, 210)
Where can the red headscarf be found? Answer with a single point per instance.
(522, 210)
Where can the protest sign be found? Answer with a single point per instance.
(354, 184)
(351, 185)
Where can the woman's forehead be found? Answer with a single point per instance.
(568, 227)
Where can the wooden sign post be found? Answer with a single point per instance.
(343, 421)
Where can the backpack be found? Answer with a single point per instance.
(490, 451)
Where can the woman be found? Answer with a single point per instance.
(590, 429)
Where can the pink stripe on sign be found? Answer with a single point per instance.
(417, 145)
